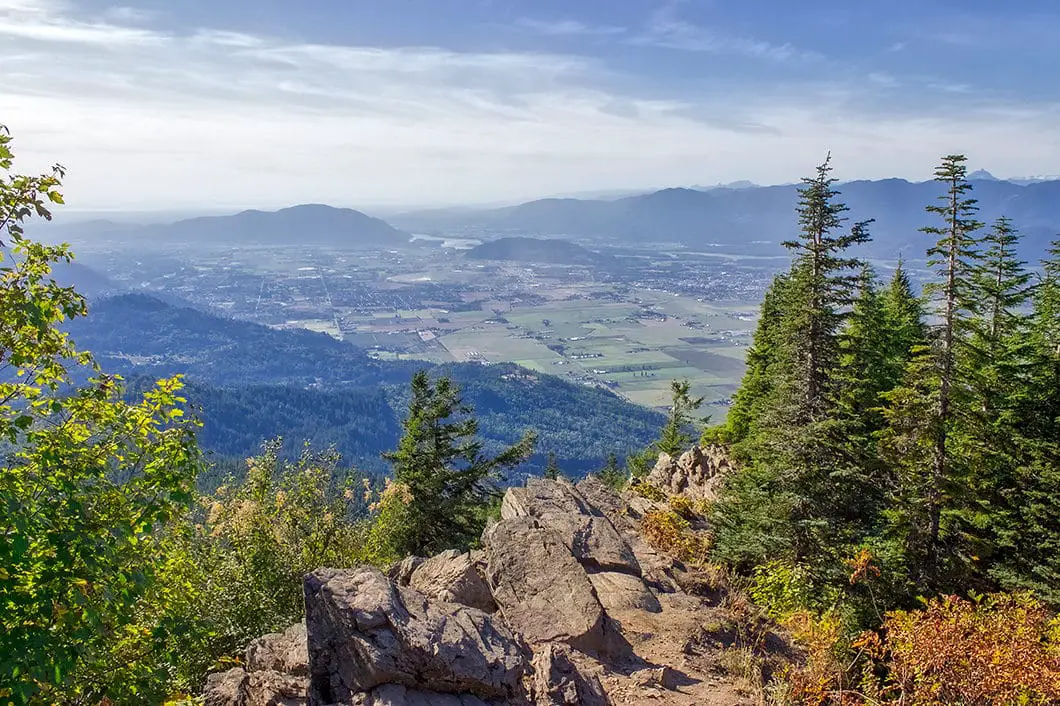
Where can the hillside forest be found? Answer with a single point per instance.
(894, 501)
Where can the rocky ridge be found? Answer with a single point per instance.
(566, 603)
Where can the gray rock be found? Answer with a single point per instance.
(454, 577)
(280, 652)
(586, 531)
(542, 591)
(401, 572)
(226, 688)
(270, 688)
(603, 497)
(364, 632)
(559, 682)
(695, 474)
(622, 592)
(397, 695)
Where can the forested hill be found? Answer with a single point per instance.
(251, 383)
(539, 250)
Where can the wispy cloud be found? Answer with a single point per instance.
(667, 31)
(569, 28)
(145, 116)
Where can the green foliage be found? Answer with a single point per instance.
(449, 479)
(552, 471)
(613, 476)
(675, 437)
(922, 434)
(87, 480)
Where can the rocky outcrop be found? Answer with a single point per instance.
(542, 591)
(565, 604)
(586, 532)
(365, 632)
(694, 474)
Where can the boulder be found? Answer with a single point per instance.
(400, 572)
(280, 652)
(621, 592)
(559, 682)
(454, 577)
(586, 531)
(226, 688)
(364, 632)
(543, 593)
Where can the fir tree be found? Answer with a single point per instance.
(611, 474)
(440, 461)
(1025, 521)
(928, 412)
(552, 471)
(826, 280)
(675, 438)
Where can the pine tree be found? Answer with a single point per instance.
(927, 414)
(789, 497)
(440, 461)
(675, 439)
(552, 471)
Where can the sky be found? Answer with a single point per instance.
(216, 104)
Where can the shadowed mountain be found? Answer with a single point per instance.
(252, 382)
(758, 219)
(537, 250)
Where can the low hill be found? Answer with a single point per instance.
(253, 383)
(537, 250)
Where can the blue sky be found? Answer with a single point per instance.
(233, 103)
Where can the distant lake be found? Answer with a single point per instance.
(447, 242)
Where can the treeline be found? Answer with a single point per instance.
(917, 434)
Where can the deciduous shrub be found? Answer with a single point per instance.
(671, 533)
(1000, 649)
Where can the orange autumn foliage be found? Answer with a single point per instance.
(1002, 649)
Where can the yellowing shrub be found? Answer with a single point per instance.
(669, 532)
(1002, 649)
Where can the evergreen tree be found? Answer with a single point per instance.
(826, 282)
(791, 497)
(675, 438)
(903, 320)
(552, 471)
(1026, 519)
(612, 475)
(763, 361)
(928, 413)
(440, 461)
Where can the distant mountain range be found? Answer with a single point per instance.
(738, 218)
(757, 219)
(310, 224)
(539, 250)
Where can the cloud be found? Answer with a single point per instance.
(569, 28)
(666, 31)
(227, 119)
(45, 20)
